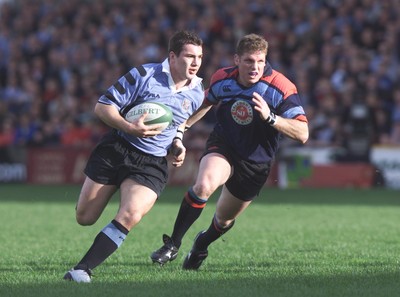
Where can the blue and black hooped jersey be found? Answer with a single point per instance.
(240, 124)
(153, 83)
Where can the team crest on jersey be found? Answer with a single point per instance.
(242, 112)
(186, 104)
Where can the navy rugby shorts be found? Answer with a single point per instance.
(248, 177)
(113, 160)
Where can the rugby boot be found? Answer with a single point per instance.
(195, 257)
(168, 252)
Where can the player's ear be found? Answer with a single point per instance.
(171, 55)
(236, 59)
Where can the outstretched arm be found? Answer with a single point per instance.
(198, 114)
(178, 150)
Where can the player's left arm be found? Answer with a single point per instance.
(178, 150)
(209, 99)
(296, 129)
(293, 128)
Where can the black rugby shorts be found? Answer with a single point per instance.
(113, 160)
(248, 177)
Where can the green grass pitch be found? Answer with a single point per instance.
(307, 242)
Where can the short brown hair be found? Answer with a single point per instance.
(181, 38)
(251, 43)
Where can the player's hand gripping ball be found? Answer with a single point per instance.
(157, 113)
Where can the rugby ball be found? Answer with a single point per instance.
(157, 113)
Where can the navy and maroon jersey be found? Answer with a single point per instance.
(240, 124)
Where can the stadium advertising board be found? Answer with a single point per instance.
(296, 168)
(56, 166)
(12, 165)
(316, 168)
(387, 160)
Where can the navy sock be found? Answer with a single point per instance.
(105, 243)
(213, 232)
(189, 212)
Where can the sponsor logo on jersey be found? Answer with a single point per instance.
(150, 95)
(186, 104)
(226, 88)
(242, 112)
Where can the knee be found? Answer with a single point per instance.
(129, 219)
(203, 190)
(223, 222)
(84, 218)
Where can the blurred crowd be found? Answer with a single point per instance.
(58, 57)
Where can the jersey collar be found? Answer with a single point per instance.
(166, 69)
(267, 69)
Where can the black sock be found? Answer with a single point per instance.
(213, 232)
(189, 212)
(105, 243)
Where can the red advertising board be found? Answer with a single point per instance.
(56, 165)
(65, 166)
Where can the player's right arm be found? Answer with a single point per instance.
(209, 99)
(110, 115)
(198, 114)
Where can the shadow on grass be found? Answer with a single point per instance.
(203, 284)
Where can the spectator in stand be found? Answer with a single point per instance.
(75, 134)
(25, 130)
(395, 118)
(7, 133)
(383, 128)
(394, 138)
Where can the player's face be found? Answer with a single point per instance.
(187, 64)
(251, 67)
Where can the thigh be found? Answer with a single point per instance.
(136, 202)
(229, 207)
(214, 171)
(248, 179)
(92, 201)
